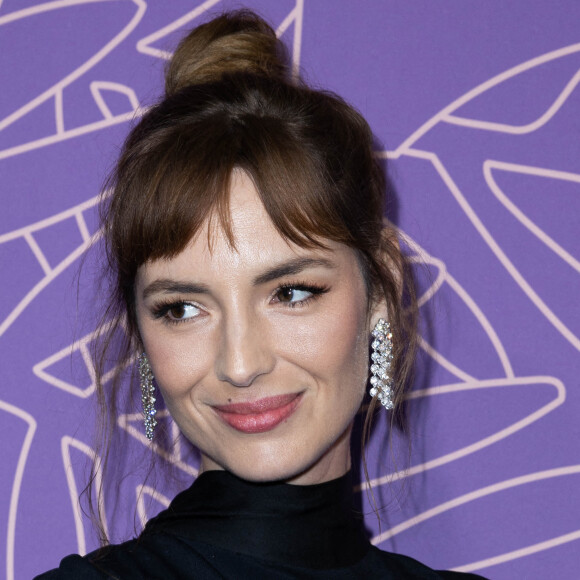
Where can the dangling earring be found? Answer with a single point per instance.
(147, 392)
(382, 355)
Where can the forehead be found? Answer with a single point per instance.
(257, 243)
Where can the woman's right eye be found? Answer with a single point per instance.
(177, 312)
(183, 311)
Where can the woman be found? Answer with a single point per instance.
(246, 237)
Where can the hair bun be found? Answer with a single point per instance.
(234, 42)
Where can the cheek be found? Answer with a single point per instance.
(177, 360)
(333, 347)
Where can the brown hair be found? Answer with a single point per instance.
(230, 104)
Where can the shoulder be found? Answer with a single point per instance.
(149, 556)
(407, 567)
(73, 567)
(166, 556)
(102, 563)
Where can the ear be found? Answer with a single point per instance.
(391, 256)
(377, 311)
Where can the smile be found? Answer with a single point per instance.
(259, 416)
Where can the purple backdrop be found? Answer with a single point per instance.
(478, 110)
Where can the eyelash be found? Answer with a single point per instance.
(315, 290)
(161, 309)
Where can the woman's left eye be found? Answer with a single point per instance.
(298, 295)
(292, 295)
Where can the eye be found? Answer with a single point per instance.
(298, 294)
(176, 311)
(291, 295)
(182, 311)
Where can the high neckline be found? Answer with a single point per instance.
(312, 526)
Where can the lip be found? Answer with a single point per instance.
(261, 415)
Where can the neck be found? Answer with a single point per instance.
(311, 526)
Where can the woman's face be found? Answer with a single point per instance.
(260, 351)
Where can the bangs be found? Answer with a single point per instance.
(184, 180)
(301, 149)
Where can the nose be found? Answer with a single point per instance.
(245, 352)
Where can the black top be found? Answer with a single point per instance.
(225, 527)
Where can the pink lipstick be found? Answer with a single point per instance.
(261, 415)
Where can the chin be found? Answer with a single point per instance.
(272, 470)
(262, 463)
(265, 475)
(271, 463)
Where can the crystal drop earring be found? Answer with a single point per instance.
(381, 358)
(147, 395)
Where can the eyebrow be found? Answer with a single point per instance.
(288, 268)
(168, 286)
